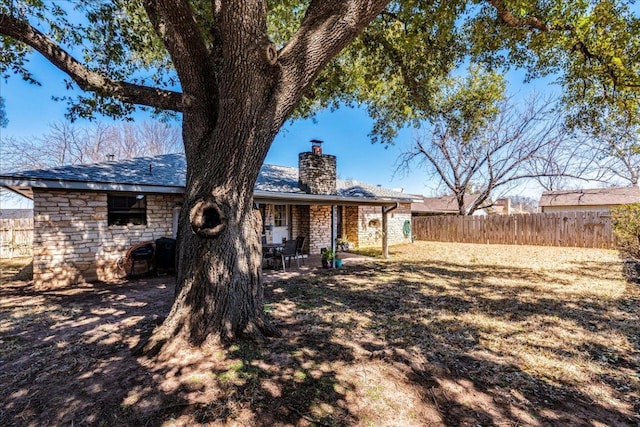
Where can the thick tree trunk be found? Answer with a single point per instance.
(219, 292)
(219, 284)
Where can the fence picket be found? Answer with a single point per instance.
(582, 229)
(16, 237)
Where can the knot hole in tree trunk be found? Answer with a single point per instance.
(272, 54)
(207, 218)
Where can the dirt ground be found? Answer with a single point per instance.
(442, 335)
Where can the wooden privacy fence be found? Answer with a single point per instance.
(580, 229)
(16, 237)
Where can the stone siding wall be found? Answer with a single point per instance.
(317, 173)
(319, 228)
(350, 224)
(73, 242)
(370, 225)
(397, 220)
(300, 224)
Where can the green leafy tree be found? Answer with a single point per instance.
(237, 70)
(626, 227)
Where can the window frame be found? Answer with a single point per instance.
(280, 216)
(122, 210)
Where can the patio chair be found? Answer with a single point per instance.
(299, 246)
(289, 251)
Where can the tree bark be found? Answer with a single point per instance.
(219, 292)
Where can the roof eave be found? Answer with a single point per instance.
(305, 199)
(16, 184)
(23, 186)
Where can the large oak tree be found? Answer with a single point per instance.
(237, 70)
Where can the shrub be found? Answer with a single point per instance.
(626, 227)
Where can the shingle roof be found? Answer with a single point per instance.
(165, 170)
(169, 170)
(442, 204)
(284, 179)
(591, 197)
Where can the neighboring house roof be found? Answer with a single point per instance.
(441, 205)
(591, 197)
(167, 174)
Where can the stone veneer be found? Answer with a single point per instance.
(350, 225)
(300, 224)
(319, 228)
(362, 225)
(317, 173)
(370, 225)
(73, 242)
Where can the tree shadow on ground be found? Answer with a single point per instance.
(66, 360)
(380, 343)
(422, 317)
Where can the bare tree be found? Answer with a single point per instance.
(558, 166)
(615, 151)
(497, 154)
(524, 204)
(66, 144)
(610, 143)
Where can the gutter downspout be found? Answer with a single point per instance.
(385, 240)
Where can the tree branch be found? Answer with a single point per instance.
(328, 26)
(85, 78)
(511, 20)
(176, 25)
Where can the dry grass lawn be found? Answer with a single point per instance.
(443, 335)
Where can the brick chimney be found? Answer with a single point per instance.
(317, 171)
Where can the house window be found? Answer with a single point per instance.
(127, 210)
(280, 215)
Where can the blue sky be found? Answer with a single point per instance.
(31, 110)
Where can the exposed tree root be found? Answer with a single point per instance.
(167, 339)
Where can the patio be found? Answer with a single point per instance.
(312, 265)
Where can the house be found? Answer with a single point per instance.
(595, 199)
(504, 206)
(87, 216)
(443, 205)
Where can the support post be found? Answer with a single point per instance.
(385, 229)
